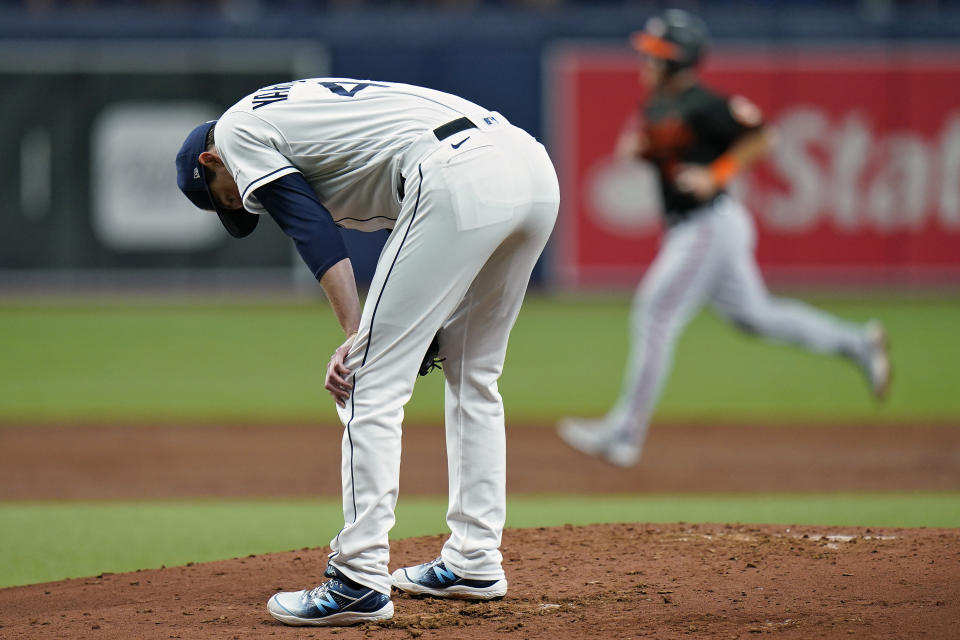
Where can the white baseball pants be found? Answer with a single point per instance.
(473, 223)
(709, 258)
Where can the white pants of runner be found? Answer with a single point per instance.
(473, 223)
(709, 258)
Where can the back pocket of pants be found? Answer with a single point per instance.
(486, 187)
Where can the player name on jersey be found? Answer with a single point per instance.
(270, 95)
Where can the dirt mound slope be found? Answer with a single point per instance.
(602, 581)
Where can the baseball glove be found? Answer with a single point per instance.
(432, 360)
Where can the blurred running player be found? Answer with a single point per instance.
(698, 140)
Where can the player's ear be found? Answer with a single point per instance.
(210, 160)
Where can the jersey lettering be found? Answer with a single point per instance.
(668, 140)
(269, 95)
(340, 90)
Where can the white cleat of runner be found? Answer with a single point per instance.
(594, 438)
(877, 363)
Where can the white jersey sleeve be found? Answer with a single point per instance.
(261, 150)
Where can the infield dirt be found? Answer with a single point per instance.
(603, 581)
(174, 461)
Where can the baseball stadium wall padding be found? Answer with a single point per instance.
(862, 185)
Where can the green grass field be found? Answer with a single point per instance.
(126, 536)
(255, 362)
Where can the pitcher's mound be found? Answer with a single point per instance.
(601, 581)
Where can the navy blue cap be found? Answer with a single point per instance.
(192, 180)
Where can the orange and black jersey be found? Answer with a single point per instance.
(695, 126)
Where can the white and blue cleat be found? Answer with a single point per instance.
(435, 579)
(338, 602)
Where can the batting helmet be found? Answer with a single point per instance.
(677, 36)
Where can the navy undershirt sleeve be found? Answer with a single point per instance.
(295, 207)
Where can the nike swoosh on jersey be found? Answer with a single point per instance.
(457, 146)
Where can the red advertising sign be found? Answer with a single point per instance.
(862, 185)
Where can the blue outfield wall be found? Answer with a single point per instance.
(489, 55)
(493, 56)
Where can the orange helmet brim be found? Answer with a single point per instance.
(654, 47)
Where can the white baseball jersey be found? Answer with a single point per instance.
(480, 201)
(345, 136)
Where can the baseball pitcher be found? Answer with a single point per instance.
(470, 200)
(697, 140)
